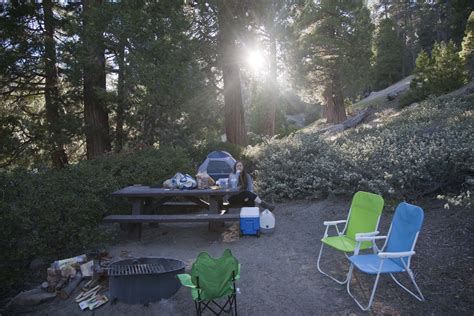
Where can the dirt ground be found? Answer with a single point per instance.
(279, 275)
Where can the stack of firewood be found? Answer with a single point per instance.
(65, 275)
(64, 279)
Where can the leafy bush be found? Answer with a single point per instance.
(424, 147)
(410, 97)
(52, 214)
(199, 153)
(464, 198)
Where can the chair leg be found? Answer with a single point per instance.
(421, 298)
(216, 308)
(235, 304)
(197, 305)
(326, 274)
(349, 276)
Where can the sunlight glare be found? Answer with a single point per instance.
(255, 60)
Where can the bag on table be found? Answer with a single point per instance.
(180, 181)
(172, 183)
(204, 180)
(169, 184)
(187, 182)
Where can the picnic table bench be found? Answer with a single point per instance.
(138, 195)
(165, 218)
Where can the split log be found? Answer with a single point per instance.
(87, 295)
(60, 284)
(67, 290)
(54, 276)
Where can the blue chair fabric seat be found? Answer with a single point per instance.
(370, 264)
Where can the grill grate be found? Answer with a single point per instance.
(136, 269)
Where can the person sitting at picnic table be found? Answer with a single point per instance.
(246, 197)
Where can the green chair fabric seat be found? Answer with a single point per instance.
(344, 243)
(211, 279)
(364, 216)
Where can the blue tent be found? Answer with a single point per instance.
(218, 164)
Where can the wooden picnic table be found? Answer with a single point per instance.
(139, 194)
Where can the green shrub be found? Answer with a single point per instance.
(424, 147)
(52, 214)
(411, 96)
(199, 153)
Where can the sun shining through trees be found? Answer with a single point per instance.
(255, 60)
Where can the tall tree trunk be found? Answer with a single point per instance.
(95, 111)
(121, 99)
(269, 124)
(234, 109)
(333, 109)
(51, 93)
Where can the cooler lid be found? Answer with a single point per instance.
(249, 212)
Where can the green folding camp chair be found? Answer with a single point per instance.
(363, 220)
(211, 279)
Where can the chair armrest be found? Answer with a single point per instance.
(329, 223)
(369, 238)
(185, 280)
(237, 277)
(367, 234)
(384, 255)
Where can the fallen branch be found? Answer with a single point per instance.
(349, 123)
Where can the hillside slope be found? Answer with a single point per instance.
(381, 96)
(400, 153)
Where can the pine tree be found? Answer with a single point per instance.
(52, 89)
(358, 69)
(162, 91)
(448, 72)
(266, 21)
(234, 111)
(31, 94)
(419, 24)
(96, 112)
(388, 55)
(441, 73)
(331, 45)
(423, 75)
(467, 52)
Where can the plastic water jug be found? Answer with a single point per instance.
(233, 181)
(267, 222)
(223, 183)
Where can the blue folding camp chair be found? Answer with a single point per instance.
(395, 255)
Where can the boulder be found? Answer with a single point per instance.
(391, 96)
(37, 264)
(31, 297)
